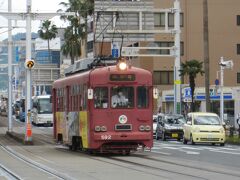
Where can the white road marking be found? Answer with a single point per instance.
(185, 148)
(192, 148)
(225, 152)
(164, 153)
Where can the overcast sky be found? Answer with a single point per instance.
(37, 6)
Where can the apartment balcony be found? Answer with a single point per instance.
(132, 20)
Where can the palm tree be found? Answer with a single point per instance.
(72, 44)
(82, 9)
(192, 68)
(206, 52)
(48, 32)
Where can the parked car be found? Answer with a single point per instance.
(16, 109)
(203, 128)
(154, 124)
(170, 126)
(22, 116)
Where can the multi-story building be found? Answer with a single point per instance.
(224, 41)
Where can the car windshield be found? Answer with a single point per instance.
(206, 120)
(44, 106)
(154, 119)
(175, 120)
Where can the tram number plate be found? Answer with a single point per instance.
(174, 135)
(106, 137)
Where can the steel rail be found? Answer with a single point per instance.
(36, 165)
(8, 173)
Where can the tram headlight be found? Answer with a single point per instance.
(122, 66)
(97, 128)
(103, 128)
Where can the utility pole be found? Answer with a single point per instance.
(10, 68)
(177, 80)
(206, 53)
(28, 81)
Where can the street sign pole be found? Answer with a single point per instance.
(221, 90)
(223, 65)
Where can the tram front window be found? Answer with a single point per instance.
(101, 97)
(122, 97)
(142, 97)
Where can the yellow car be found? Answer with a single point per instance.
(203, 127)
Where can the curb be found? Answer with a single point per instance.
(19, 138)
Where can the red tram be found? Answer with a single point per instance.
(89, 113)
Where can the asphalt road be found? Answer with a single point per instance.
(167, 160)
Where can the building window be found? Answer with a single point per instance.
(159, 19)
(238, 49)
(238, 20)
(238, 77)
(90, 46)
(163, 77)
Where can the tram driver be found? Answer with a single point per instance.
(119, 100)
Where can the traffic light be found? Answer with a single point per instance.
(29, 64)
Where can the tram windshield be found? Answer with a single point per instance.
(122, 97)
(44, 106)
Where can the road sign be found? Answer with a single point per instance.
(29, 64)
(187, 92)
(115, 50)
(217, 82)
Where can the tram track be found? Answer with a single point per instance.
(135, 166)
(33, 164)
(188, 166)
(7, 173)
(164, 166)
(146, 168)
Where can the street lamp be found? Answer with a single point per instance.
(223, 65)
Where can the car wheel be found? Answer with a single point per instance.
(191, 140)
(222, 144)
(184, 140)
(163, 136)
(213, 144)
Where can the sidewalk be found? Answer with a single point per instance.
(17, 134)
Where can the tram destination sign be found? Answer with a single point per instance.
(122, 77)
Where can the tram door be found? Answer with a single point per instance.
(66, 112)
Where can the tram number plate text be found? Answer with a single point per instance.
(106, 137)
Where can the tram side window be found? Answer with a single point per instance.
(142, 97)
(101, 97)
(84, 97)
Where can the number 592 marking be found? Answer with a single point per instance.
(106, 137)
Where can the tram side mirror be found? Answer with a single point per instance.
(90, 93)
(155, 93)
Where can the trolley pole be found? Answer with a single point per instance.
(177, 80)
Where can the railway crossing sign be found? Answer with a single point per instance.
(29, 64)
